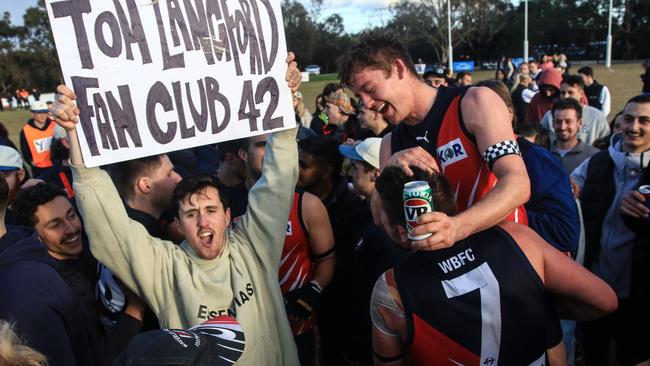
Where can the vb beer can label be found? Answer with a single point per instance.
(417, 201)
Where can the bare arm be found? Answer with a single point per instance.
(487, 118)
(582, 295)
(321, 238)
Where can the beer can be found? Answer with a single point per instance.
(417, 201)
(645, 192)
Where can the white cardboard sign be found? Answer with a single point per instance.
(153, 76)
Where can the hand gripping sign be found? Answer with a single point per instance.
(153, 76)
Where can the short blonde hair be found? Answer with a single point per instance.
(13, 352)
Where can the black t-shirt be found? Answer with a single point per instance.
(237, 199)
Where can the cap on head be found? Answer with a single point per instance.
(39, 107)
(341, 100)
(10, 159)
(367, 151)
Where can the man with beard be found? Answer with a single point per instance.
(604, 180)
(594, 123)
(47, 209)
(567, 147)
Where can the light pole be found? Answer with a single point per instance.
(451, 49)
(608, 57)
(525, 30)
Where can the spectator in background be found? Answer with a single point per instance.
(645, 77)
(436, 77)
(319, 118)
(614, 128)
(60, 174)
(342, 118)
(506, 65)
(36, 138)
(594, 124)
(500, 75)
(533, 133)
(549, 92)
(547, 62)
(604, 180)
(321, 126)
(231, 170)
(567, 147)
(464, 78)
(302, 113)
(44, 309)
(534, 70)
(373, 121)
(521, 96)
(11, 169)
(597, 94)
(46, 208)
(4, 137)
(373, 254)
(320, 174)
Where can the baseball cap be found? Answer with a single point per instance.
(39, 107)
(10, 159)
(367, 151)
(219, 341)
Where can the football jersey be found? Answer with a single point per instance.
(443, 134)
(479, 302)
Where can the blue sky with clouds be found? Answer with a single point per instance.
(357, 14)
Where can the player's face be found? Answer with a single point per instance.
(255, 155)
(311, 171)
(59, 228)
(381, 93)
(164, 180)
(566, 124)
(568, 91)
(636, 127)
(203, 222)
(363, 181)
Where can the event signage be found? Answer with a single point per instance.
(153, 76)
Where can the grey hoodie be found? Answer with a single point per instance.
(614, 260)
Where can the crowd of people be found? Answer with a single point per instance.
(294, 248)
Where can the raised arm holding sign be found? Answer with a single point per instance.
(157, 76)
(215, 271)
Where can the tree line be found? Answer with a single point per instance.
(481, 30)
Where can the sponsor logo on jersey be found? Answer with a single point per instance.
(451, 152)
(43, 144)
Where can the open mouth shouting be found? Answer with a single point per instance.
(206, 238)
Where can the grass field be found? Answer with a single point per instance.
(623, 82)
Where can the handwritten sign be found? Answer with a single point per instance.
(153, 76)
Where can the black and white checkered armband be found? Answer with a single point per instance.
(499, 150)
